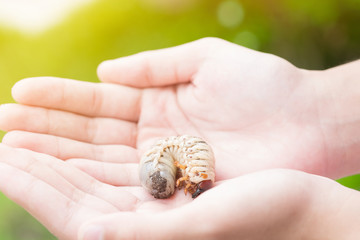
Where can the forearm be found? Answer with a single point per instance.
(338, 91)
(334, 214)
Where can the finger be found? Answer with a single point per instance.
(68, 125)
(73, 183)
(85, 98)
(32, 193)
(48, 195)
(109, 173)
(64, 148)
(158, 68)
(154, 220)
(165, 225)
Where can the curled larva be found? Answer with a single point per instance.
(176, 162)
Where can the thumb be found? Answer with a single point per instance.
(129, 225)
(157, 67)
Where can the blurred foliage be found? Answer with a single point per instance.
(351, 181)
(310, 34)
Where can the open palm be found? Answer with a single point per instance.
(74, 205)
(63, 197)
(256, 110)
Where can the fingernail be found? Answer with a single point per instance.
(93, 232)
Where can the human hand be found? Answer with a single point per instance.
(272, 204)
(256, 110)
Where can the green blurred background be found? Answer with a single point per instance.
(310, 34)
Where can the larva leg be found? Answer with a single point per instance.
(177, 164)
(180, 180)
(188, 188)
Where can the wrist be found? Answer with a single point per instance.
(333, 213)
(337, 93)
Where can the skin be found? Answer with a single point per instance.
(270, 112)
(271, 204)
(275, 114)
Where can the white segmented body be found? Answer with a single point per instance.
(158, 171)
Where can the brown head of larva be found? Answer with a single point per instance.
(202, 187)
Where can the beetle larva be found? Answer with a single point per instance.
(177, 161)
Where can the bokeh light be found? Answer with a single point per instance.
(230, 13)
